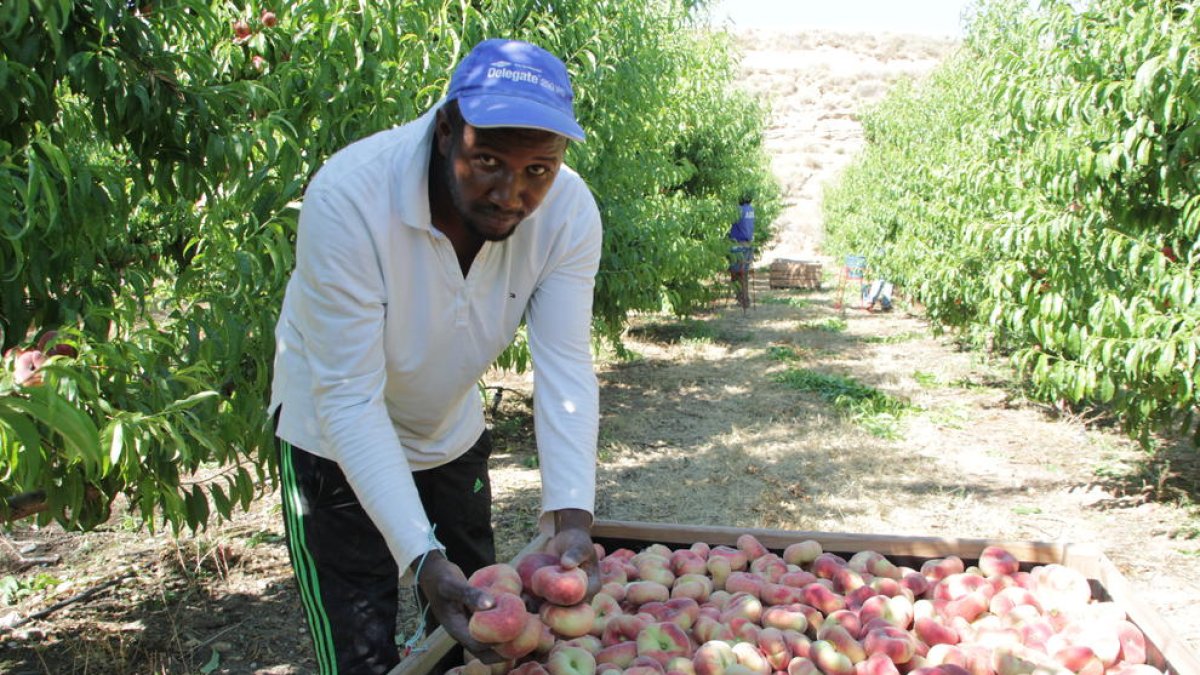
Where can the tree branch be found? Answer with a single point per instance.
(24, 505)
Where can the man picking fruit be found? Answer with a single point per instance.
(420, 251)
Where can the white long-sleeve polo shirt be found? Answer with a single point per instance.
(381, 341)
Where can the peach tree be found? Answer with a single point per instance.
(153, 156)
(1041, 190)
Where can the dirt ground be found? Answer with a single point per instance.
(700, 427)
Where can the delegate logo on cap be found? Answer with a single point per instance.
(516, 72)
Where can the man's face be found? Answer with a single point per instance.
(497, 177)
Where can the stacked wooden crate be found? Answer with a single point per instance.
(804, 274)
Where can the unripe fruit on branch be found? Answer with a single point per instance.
(44, 341)
(25, 369)
(48, 345)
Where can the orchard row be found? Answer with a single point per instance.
(1040, 193)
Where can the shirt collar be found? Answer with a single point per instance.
(412, 175)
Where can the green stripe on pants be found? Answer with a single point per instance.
(303, 566)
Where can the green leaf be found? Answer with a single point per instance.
(16, 419)
(1166, 360)
(212, 664)
(1079, 389)
(80, 436)
(117, 443)
(221, 501)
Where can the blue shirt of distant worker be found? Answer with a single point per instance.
(742, 234)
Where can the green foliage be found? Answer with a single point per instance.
(781, 353)
(152, 160)
(876, 411)
(828, 325)
(893, 339)
(790, 301)
(12, 588)
(672, 332)
(1041, 189)
(926, 379)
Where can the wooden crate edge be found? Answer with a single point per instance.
(925, 547)
(1172, 652)
(1161, 641)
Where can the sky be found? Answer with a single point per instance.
(925, 17)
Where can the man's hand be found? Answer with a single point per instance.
(452, 601)
(572, 543)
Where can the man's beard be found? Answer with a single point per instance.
(474, 226)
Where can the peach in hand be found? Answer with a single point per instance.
(531, 562)
(497, 578)
(559, 585)
(502, 623)
(525, 643)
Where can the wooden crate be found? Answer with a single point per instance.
(1164, 649)
(796, 274)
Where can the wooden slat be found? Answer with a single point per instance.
(891, 545)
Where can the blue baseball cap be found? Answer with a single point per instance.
(509, 83)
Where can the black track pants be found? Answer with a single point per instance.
(348, 580)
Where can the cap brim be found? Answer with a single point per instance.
(493, 111)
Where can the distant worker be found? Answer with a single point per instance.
(879, 293)
(880, 290)
(742, 251)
